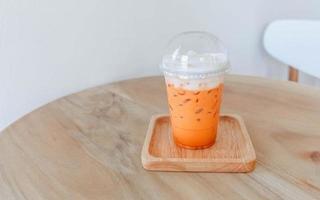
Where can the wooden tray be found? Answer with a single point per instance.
(232, 152)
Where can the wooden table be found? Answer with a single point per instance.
(87, 145)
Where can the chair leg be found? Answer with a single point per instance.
(293, 74)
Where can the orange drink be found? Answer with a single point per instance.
(194, 65)
(194, 115)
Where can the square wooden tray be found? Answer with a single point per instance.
(232, 152)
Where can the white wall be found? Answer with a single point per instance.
(52, 48)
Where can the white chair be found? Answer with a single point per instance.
(295, 43)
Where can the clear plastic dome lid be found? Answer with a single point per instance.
(194, 53)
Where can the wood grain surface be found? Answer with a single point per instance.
(232, 151)
(87, 145)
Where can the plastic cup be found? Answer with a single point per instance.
(194, 66)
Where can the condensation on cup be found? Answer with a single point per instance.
(194, 65)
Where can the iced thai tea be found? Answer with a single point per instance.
(194, 114)
(194, 64)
